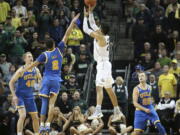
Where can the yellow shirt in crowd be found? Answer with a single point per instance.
(170, 9)
(4, 8)
(177, 71)
(16, 22)
(75, 37)
(166, 82)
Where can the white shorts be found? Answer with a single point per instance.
(104, 74)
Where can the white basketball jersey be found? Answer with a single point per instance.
(101, 53)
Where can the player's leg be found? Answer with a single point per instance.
(22, 115)
(20, 123)
(32, 110)
(74, 131)
(153, 116)
(140, 120)
(99, 96)
(35, 123)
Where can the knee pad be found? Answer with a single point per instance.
(160, 128)
(44, 106)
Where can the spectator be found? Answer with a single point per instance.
(21, 11)
(65, 73)
(145, 13)
(59, 123)
(12, 70)
(167, 83)
(56, 31)
(60, 6)
(4, 65)
(147, 63)
(64, 20)
(165, 109)
(164, 59)
(96, 124)
(173, 41)
(173, 7)
(72, 84)
(147, 49)
(77, 101)
(31, 6)
(44, 21)
(139, 34)
(122, 94)
(138, 69)
(64, 104)
(67, 59)
(177, 117)
(8, 26)
(78, 125)
(157, 70)
(17, 50)
(16, 20)
(158, 36)
(118, 127)
(83, 48)
(174, 68)
(154, 85)
(4, 9)
(76, 6)
(80, 67)
(76, 36)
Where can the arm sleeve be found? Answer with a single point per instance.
(61, 46)
(85, 27)
(92, 22)
(41, 58)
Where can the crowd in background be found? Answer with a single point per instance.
(153, 25)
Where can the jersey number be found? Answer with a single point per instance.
(30, 83)
(55, 65)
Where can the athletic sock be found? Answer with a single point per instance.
(19, 133)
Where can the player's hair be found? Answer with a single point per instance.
(142, 72)
(104, 28)
(49, 43)
(25, 54)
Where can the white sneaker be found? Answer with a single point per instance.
(95, 115)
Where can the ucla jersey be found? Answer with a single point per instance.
(144, 98)
(26, 83)
(53, 62)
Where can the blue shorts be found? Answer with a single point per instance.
(28, 103)
(49, 87)
(141, 117)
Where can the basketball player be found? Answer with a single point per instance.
(144, 108)
(101, 55)
(23, 94)
(52, 58)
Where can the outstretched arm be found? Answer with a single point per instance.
(92, 21)
(69, 29)
(90, 32)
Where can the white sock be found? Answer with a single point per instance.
(42, 124)
(47, 124)
(98, 108)
(19, 133)
(116, 110)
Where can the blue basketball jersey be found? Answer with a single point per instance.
(26, 83)
(144, 98)
(53, 62)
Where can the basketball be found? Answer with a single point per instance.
(91, 3)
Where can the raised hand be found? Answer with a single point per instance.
(85, 12)
(75, 18)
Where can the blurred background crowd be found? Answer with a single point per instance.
(153, 26)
